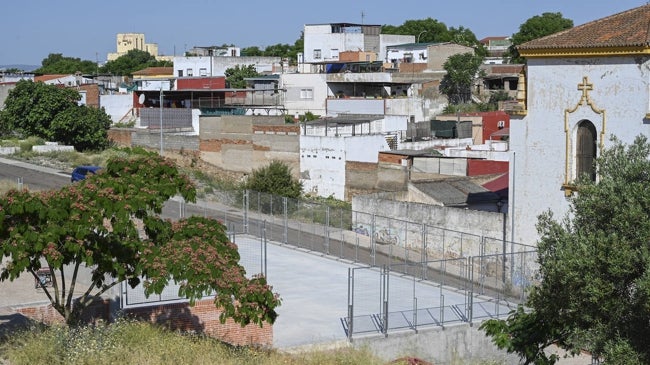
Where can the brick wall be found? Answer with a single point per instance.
(203, 317)
(120, 136)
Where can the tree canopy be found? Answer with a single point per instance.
(462, 73)
(594, 293)
(537, 27)
(52, 113)
(235, 76)
(275, 178)
(56, 63)
(83, 127)
(430, 30)
(134, 60)
(31, 107)
(110, 223)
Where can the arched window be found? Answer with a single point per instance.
(586, 150)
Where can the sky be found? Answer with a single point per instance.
(30, 30)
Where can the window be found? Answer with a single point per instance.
(335, 53)
(180, 73)
(317, 54)
(189, 72)
(306, 94)
(586, 150)
(203, 72)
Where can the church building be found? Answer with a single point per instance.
(581, 86)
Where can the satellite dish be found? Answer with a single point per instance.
(141, 99)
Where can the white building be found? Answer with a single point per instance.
(199, 66)
(324, 42)
(583, 85)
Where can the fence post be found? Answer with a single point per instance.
(20, 183)
(424, 258)
(350, 303)
(373, 248)
(385, 292)
(286, 219)
(327, 230)
(246, 205)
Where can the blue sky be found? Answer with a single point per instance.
(32, 29)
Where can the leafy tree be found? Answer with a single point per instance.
(31, 107)
(432, 31)
(94, 223)
(252, 52)
(52, 113)
(275, 178)
(235, 77)
(537, 27)
(429, 30)
(134, 60)
(56, 63)
(83, 127)
(462, 72)
(594, 267)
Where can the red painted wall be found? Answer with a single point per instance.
(204, 83)
(491, 123)
(486, 167)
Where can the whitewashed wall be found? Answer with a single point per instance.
(294, 83)
(322, 165)
(620, 87)
(116, 105)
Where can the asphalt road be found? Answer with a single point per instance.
(35, 177)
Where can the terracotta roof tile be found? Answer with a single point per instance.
(152, 71)
(626, 29)
(44, 78)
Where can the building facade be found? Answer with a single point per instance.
(583, 86)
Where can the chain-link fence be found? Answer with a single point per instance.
(411, 274)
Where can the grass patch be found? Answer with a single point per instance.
(142, 343)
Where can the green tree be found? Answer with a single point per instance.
(56, 63)
(235, 77)
(134, 60)
(84, 127)
(275, 178)
(537, 27)
(462, 73)
(252, 52)
(594, 268)
(31, 107)
(428, 30)
(110, 223)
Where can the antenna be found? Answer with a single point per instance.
(362, 16)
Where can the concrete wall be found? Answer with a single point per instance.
(460, 343)
(244, 143)
(439, 53)
(480, 223)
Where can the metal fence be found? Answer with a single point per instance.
(409, 274)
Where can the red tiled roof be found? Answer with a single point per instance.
(154, 71)
(499, 184)
(626, 29)
(44, 78)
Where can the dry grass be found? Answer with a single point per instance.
(141, 343)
